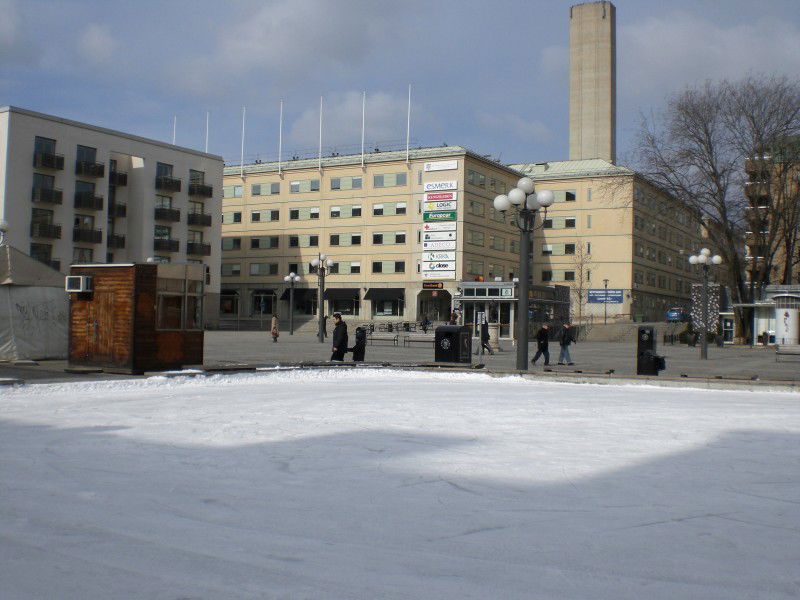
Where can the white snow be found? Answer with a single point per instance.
(387, 484)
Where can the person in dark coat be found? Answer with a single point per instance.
(339, 338)
(542, 345)
(360, 346)
(565, 338)
(425, 324)
(485, 338)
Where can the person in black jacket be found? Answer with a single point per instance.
(565, 338)
(339, 339)
(542, 345)
(360, 346)
(485, 338)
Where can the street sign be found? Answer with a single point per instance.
(439, 216)
(440, 196)
(439, 245)
(443, 205)
(433, 186)
(432, 285)
(438, 236)
(441, 255)
(446, 226)
(603, 296)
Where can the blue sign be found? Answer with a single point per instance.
(605, 296)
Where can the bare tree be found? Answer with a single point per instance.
(582, 262)
(709, 145)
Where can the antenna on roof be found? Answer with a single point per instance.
(174, 128)
(207, 115)
(280, 138)
(241, 162)
(408, 123)
(363, 123)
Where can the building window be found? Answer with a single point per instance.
(231, 243)
(355, 267)
(163, 170)
(334, 239)
(388, 180)
(475, 267)
(306, 185)
(265, 189)
(547, 276)
(476, 179)
(389, 266)
(377, 210)
(198, 177)
(162, 232)
(231, 269)
(86, 154)
(475, 237)
(82, 255)
(263, 268)
(231, 217)
(260, 216)
(346, 183)
(477, 208)
(44, 145)
(232, 191)
(263, 243)
(163, 201)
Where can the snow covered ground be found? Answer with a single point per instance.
(388, 484)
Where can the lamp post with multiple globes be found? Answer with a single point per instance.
(526, 203)
(291, 278)
(705, 259)
(322, 264)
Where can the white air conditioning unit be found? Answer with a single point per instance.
(78, 283)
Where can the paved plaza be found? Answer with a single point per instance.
(232, 349)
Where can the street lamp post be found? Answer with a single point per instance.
(705, 259)
(605, 302)
(291, 278)
(526, 204)
(3, 231)
(322, 264)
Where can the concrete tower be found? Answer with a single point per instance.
(592, 81)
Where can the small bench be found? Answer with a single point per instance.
(410, 339)
(382, 337)
(787, 350)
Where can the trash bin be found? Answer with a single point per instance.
(453, 343)
(647, 361)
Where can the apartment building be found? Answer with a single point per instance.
(619, 243)
(403, 230)
(76, 193)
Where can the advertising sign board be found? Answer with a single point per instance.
(431, 206)
(435, 186)
(440, 196)
(449, 215)
(446, 226)
(442, 265)
(440, 255)
(439, 245)
(437, 236)
(432, 285)
(438, 274)
(603, 296)
(441, 165)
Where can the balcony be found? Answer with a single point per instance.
(166, 245)
(89, 169)
(200, 189)
(118, 209)
(88, 201)
(168, 184)
(89, 236)
(46, 230)
(46, 160)
(118, 178)
(199, 219)
(758, 162)
(47, 195)
(168, 214)
(198, 249)
(115, 241)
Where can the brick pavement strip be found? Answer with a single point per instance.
(594, 361)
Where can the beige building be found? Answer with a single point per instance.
(77, 193)
(592, 81)
(402, 234)
(610, 230)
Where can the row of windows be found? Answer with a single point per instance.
(663, 282)
(342, 267)
(302, 241)
(382, 180)
(676, 261)
(663, 232)
(310, 213)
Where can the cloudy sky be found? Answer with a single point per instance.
(489, 75)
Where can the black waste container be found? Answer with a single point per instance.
(453, 344)
(647, 361)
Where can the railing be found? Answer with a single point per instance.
(118, 178)
(46, 160)
(118, 209)
(199, 219)
(168, 214)
(88, 200)
(169, 184)
(198, 249)
(46, 230)
(48, 195)
(89, 236)
(115, 241)
(89, 169)
(166, 245)
(200, 189)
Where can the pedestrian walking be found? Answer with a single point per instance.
(565, 338)
(339, 339)
(425, 324)
(360, 346)
(542, 345)
(485, 338)
(274, 328)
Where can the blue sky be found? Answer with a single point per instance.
(492, 76)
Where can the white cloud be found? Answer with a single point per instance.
(385, 120)
(96, 44)
(661, 55)
(522, 128)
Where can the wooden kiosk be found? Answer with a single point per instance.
(133, 318)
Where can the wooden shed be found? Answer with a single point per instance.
(136, 317)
